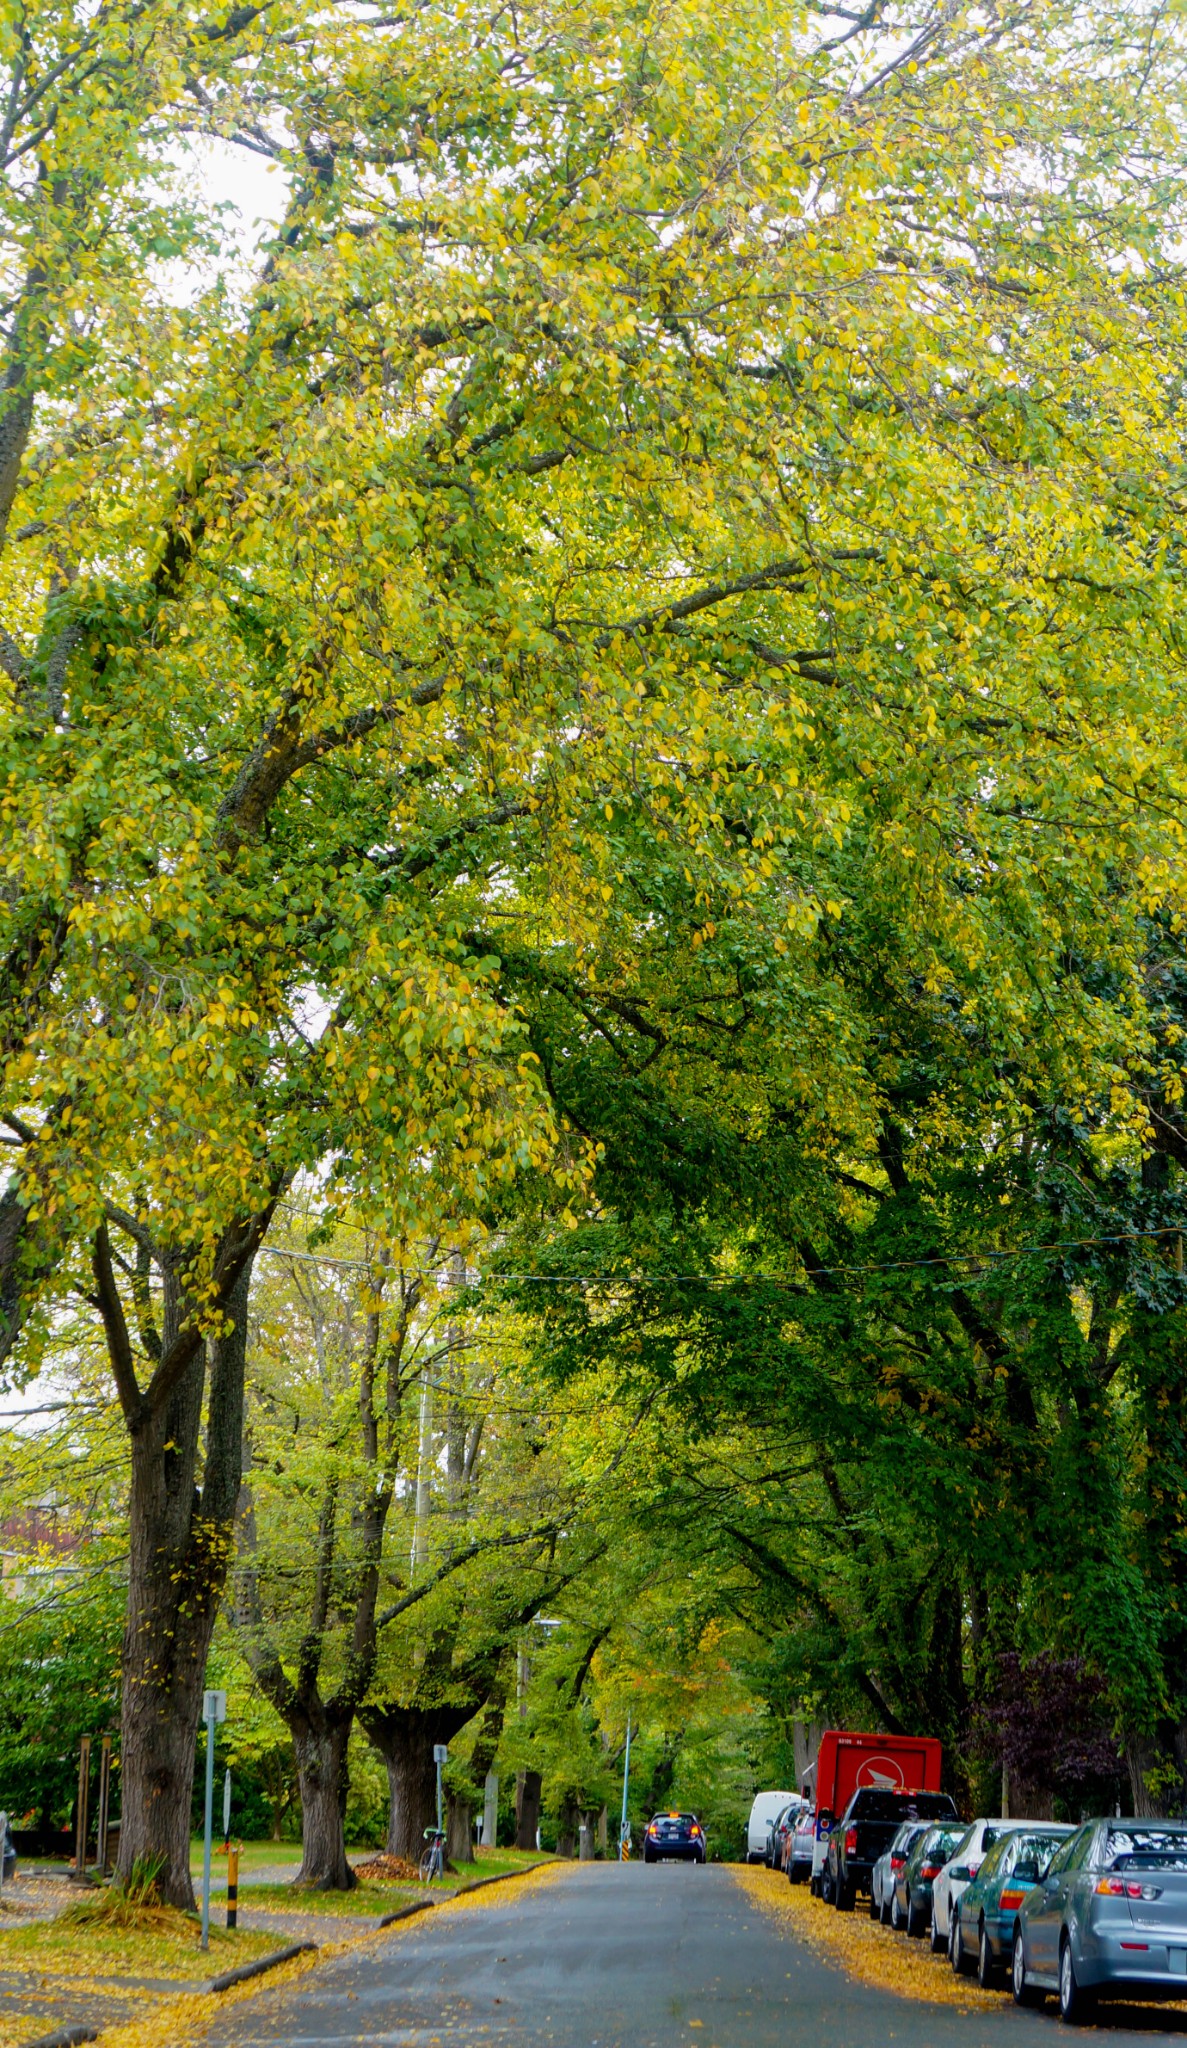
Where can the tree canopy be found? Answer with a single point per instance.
(608, 691)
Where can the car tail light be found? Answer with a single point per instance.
(694, 1829)
(851, 1841)
(1122, 1888)
(653, 1830)
(1010, 1901)
(897, 1862)
(930, 1869)
(1143, 1945)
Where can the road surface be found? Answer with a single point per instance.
(609, 1956)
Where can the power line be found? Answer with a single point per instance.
(967, 1259)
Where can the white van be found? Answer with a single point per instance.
(767, 1808)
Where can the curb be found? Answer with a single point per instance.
(66, 2037)
(406, 1912)
(475, 1884)
(239, 1976)
(72, 2037)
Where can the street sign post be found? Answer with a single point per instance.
(440, 1756)
(226, 1813)
(214, 1711)
(624, 1832)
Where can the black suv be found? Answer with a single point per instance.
(867, 1827)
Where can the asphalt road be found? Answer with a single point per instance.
(604, 1956)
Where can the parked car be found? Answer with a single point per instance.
(766, 1808)
(910, 1896)
(678, 1835)
(1108, 1920)
(983, 1924)
(779, 1835)
(889, 1863)
(959, 1872)
(867, 1827)
(803, 1841)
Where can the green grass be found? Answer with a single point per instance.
(252, 1855)
(288, 1898)
(103, 1951)
(371, 1897)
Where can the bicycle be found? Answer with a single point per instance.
(432, 1863)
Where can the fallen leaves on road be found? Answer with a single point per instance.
(501, 1894)
(869, 1951)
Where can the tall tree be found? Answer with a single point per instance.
(655, 456)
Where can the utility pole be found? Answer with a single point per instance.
(624, 1833)
(81, 1813)
(214, 1710)
(440, 1756)
(424, 1466)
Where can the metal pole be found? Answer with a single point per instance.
(81, 1817)
(424, 1470)
(623, 1836)
(438, 1795)
(233, 1887)
(209, 1832)
(104, 1804)
(227, 1814)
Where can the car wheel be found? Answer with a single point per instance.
(814, 1887)
(895, 1919)
(845, 1896)
(826, 1886)
(1075, 2005)
(914, 1918)
(939, 1942)
(875, 1909)
(962, 1961)
(986, 1963)
(1024, 1993)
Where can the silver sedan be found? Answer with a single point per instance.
(1107, 1920)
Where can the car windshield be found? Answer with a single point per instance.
(872, 1805)
(1037, 1849)
(1147, 1849)
(683, 1820)
(994, 1857)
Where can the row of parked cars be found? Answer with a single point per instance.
(1083, 1913)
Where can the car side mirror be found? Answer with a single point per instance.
(1049, 1880)
(961, 1872)
(1027, 1873)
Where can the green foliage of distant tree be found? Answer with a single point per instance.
(59, 1681)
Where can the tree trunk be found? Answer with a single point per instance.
(321, 1770)
(179, 1544)
(527, 1818)
(1141, 1751)
(404, 1738)
(568, 1822)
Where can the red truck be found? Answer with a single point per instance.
(850, 1762)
